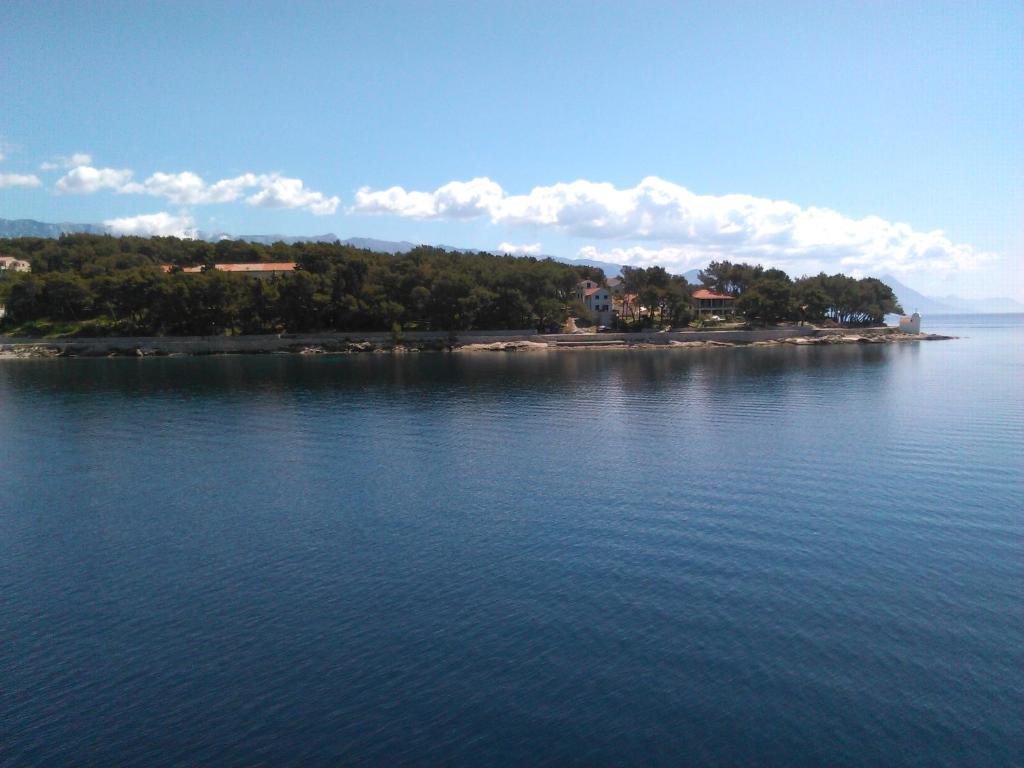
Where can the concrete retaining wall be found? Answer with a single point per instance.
(210, 345)
(694, 335)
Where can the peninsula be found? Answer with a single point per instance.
(97, 294)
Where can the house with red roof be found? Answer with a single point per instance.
(707, 302)
(254, 269)
(598, 301)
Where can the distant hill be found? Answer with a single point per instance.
(610, 270)
(33, 228)
(910, 299)
(982, 306)
(368, 243)
(381, 246)
(330, 237)
(692, 276)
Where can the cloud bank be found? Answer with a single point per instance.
(525, 249)
(19, 180)
(79, 158)
(264, 190)
(85, 180)
(688, 228)
(153, 224)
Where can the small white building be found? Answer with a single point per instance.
(11, 264)
(598, 301)
(911, 324)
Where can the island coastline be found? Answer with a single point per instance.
(347, 344)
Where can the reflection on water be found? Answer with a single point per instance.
(497, 371)
(769, 555)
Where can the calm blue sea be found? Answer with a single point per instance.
(792, 556)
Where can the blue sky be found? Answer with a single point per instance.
(871, 137)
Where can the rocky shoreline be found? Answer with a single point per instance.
(798, 341)
(171, 347)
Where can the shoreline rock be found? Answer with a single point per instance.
(109, 348)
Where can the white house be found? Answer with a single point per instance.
(11, 264)
(598, 301)
(911, 324)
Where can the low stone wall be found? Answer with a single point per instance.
(359, 342)
(288, 342)
(767, 334)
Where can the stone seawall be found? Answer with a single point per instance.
(743, 337)
(255, 344)
(319, 343)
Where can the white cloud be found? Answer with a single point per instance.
(282, 192)
(19, 180)
(526, 249)
(695, 228)
(148, 225)
(84, 180)
(456, 200)
(673, 259)
(681, 259)
(79, 158)
(186, 188)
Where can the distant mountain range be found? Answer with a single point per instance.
(912, 301)
(33, 228)
(909, 299)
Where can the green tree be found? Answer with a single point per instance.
(768, 301)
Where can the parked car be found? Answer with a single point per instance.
(603, 329)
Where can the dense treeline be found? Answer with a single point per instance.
(118, 283)
(771, 296)
(652, 296)
(665, 298)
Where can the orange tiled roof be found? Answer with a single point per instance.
(260, 266)
(267, 266)
(703, 293)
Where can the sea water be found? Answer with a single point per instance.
(763, 556)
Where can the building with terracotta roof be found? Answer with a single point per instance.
(598, 301)
(254, 269)
(707, 302)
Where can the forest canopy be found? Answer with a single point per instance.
(118, 285)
